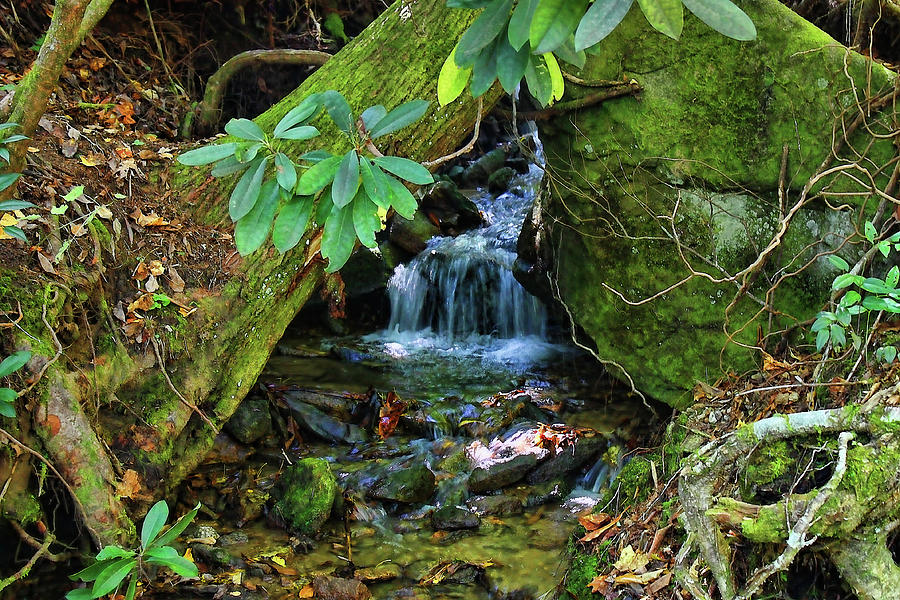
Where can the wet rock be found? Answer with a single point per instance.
(501, 474)
(336, 588)
(549, 491)
(215, 556)
(233, 539)
(568, 459)
(226, 451)
(203, 534)
(453, 209)
(412, 483)
(324, 426)
(412, 236)
(453, 517)
(336, 405)
(496, 505)
(250, 505)
(365, 272)
(479, 171)
(251, 421)
(500, 179)
(306, 493)
(379, 573)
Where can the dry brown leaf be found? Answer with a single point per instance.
(78, 229)
(45, 263)
(659, 583)
(144, 302)
(772, 365)
(306, 592)
(641, 579)
(593, 521)
(151, 220)
(141, 272)
(92, 159)
(175, 281)
(598, 532)
(598, 585)
(156, 268)
(631, 560)
(130, 486)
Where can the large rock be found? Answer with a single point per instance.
(306, 494)
(501, 474)
(251, 421)
(404, 483)
(326, 427)
(689, 170)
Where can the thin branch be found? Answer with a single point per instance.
(465, 149)
(188, 403)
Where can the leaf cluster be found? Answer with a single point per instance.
(8, 396)
(7, 179)
(870, 295)
(512, 39)
(348, 194)
(114, 563)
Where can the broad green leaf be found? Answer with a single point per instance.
(285, 173)
(511, 64)
(7, 410)
(893, 277)
(822, 338)
(838, 337)
(291, 222)
(567, 52)
(90, 573)
(599, 21)
(15, 138)
(471, 4)
(11, 124)
(132, 588)
(253, 229)
(167, 556)
(110, 578)
(339, 238)
(557, 83)
(540, 85)
(7, 179)
(346, 181)
(75, 193)
(838, 262)
(109, 552)
(402, 199)
(4, 154)
(482, 32)
(175, 530)
(80, 594)
(850, 298)
(318, 176)
(245, 129)
(877, 303)
(153, 522)
(724, 17)
(15, 205)
(553, 22)
(372, 115)
(338, 110)
(304, 132)
(665, 16)
(452, 80)
(14, 362)
(375, 182)
(245, 153)
(246, 192)
(325, 207)
(365, 219)
(315, 156)
(404, 168)
(844, 280)
(16, 232)
(876, 286)
(299, 114)
(228, 166)
(870, 231)
(206, 154)
(59, 210)
(8, 395)
(484, 71)
(520, 23)
(405, 114)
(884, 247)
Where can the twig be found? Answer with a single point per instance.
(622, 89)
(465, 149)
(12, 324)
(789, 386)
(188, 403)
(26, 568)
(28, 539)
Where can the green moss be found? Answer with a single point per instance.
(769, 462)
(307, 492)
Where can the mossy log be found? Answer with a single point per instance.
(227, 341)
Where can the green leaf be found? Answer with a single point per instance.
(876, 286)
(540, 84)
(299, 114)
(245, 129)
(246, 152)
(879, 303)
(14, 138)
(375, 183)
(167, 556)
(228, 166)
(838, 262)
(80, 594)
(90, 573)
(850, 298)
(452, 80)
(325, 207)
(346, 181)
(14, 362)
(870, 231)
(665, 16)
(484, 71)
(285, 172)
(132, 588)
(511, 64)
(844, 280)
(15, 205)
(482, 32)
(318, 176)
(599, 21)
(8, 395)
(315, 156)
(553, 22)
(338, 110)
(405, 114)
(365, 219)
(75, 193)
(7, 410)
(253, 229)
(893, 277)
(372, 115)
(884, 247)
(291, 222)
(4, 154)
(724, 17)
(404, 168)
(567, 52)
(7, 179)
(206, 154)
(110, 578)
(15, 232)
(520, 23)
(470, 4)
(838, 337)
(304, 132)
(339, 238)
(8, 124)
(822, 338)
(402, 199)
(246, 192)
(175, 530)
(153, 522)
(110, 552)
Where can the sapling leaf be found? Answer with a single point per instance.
(482, 32)
(299, 114)
(15, 232)
(109, 552)
(228, 166)
(402, 199)
(318, 176)
(452, 80)
(15, 205)
(838, 262)
(14, 362)
(405, 114)
(724, 17)
(822, 338)
(207, 154)
(153, 522)
(870, 231)
(7, 410)
(339, 238)
(339, 110)
(599, 21)
(110, 578)
(554, 21)
(245, 129)
(285, 172)
(80, 594)
(167, 556)
(246, 192)
(132, 588)
(372, 115)
(484, 71)
(7, 179)
(304, 132)
(8, 395)
(511, 64)
(404, 168)
(520, 23)
(252, 230)
(665, 16)
(893, 277)
(375, 182)
(291, 222)
(346, 180)
(365, 219)
(884, 247)
(175, 530)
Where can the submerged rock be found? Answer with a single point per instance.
(453, 517)
(412, 483)
(412, 235)
(251, 421)
(453, 209)
(379, 573)
(500, 179)
(501, 474)
(306, 494)
(324, 426)
(336, 588)
(496, 505)
(479, 172)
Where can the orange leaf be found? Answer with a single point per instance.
(598, 532)
(598, 585)
(306, 592)
(593, 521)
(391, 410)
(144, 302)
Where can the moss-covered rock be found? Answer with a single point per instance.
(306, 493)
(688, 171)
(404, 483)
(251, 421)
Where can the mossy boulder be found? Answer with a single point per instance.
(251, 421)
(689, 171)
(404, 482)
(306, 493)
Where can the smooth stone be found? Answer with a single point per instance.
(413, 483)
(251, 421)
(233, 539)
(452, 517)
(412, 235)
(568, 459)
(500, 179)
(385, 572)
(498, 506)
(547, 492)
(337, 588)
(306, 494)
(501, 474)
(324, 426)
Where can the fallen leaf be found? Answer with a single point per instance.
(151, 285)
(598, 585)
(306, 592)
(45, 263)
(598, 532)
(130, 486)
(144, 302)
(69, 147)
(659, 583)
(156, 268)
(389, 414)
(771, 365)
(631, 560)
(103, 212)
(641, 579)
(141, 272)
(594, 521)
(175, 281)
(151, 220)
(92, 159)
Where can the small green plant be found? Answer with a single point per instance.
(872, 295)
(8, 396)
(114, 563)
(512, 39)
(354, 190)
(7, 179)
